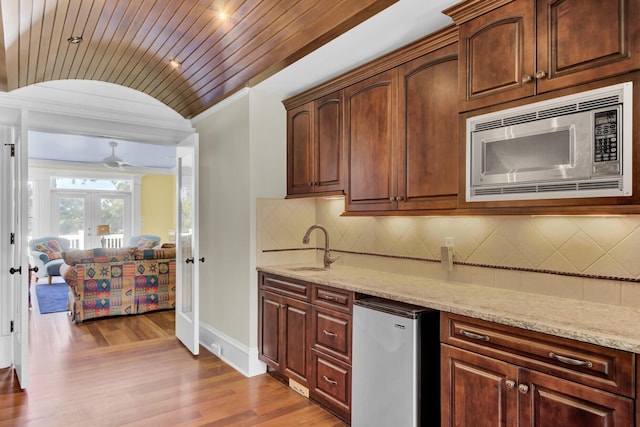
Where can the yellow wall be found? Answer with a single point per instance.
(158, 205)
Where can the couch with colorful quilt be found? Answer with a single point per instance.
(114, 282)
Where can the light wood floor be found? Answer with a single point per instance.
(132, 371)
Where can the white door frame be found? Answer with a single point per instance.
(19, 272)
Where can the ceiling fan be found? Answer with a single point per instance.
(114, 161)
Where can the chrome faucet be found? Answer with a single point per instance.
(327, 254)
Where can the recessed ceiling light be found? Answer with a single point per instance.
(75, 39)
(223, 15)
(175, 63)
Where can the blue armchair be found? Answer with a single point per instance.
(144, 241)
(46, 254)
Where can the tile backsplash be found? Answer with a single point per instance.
(486, 248)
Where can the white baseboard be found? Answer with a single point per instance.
(237, 355)
(5, 351)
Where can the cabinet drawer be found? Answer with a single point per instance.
(332, 384)
(284, 286)
(332, 333)
(336, 299)
(589, 364)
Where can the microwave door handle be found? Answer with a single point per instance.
(572, 146)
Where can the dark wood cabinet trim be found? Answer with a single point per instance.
(430, 43)
(466, 11)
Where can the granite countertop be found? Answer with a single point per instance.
(606, 325)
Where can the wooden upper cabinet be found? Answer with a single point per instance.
(428, 154)
(580, 41)
(314, 147)
(401, 134)
(328, 163)
(496, 52)
(370, 133)
(300, 149)
(526, 47)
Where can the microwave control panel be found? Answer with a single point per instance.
(605, 136)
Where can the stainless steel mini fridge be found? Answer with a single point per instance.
(396, 365)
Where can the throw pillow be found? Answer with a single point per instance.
(51, 248)
(145, 243)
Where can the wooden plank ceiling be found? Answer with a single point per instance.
(130, 42)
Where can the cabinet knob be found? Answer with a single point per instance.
(541, 74)
(526, 78)
(510, 383)
(523, 388)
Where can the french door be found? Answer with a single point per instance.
(188, 257)
(14, 264)
(77, 214)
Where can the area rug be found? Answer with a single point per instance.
(52, 298)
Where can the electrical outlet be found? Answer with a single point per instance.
(216, 349)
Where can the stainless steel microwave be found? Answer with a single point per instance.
(573, 146)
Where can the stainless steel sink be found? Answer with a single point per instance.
(306, 268)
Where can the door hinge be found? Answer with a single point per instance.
(13, 149)
(12, 239)
(11, 326)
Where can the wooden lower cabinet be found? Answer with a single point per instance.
(284, 329)
(304, 334)
(482, 391)
(331, 329)
(551, 401)
(474, 390)
(331, 384)
(498, 375)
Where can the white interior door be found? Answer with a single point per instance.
(187, 252)
(20, 270)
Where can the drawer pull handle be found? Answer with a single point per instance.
(474, 336)
(329, 334)
(570, 361)
(330, 298)
(329, 380)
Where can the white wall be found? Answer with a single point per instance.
(224, 219)
(268, 177)
(242, 157)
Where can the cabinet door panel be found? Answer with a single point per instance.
(428, 166)
(371, 107)
(300, 150)
(474, 390)
(607, 34)
(497, 50)
(332, 333)
(270, 332)
(328, 128)
(332, 384)
(296, 353)
(551, 401)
